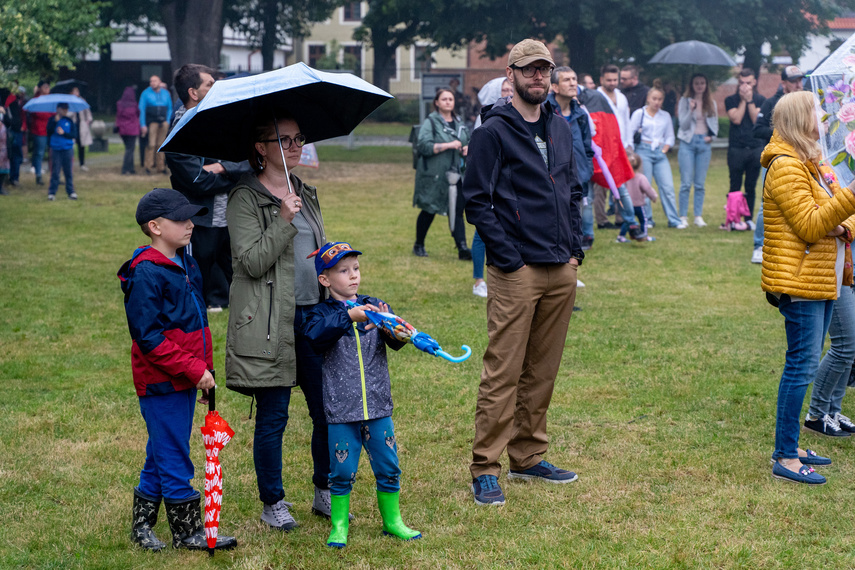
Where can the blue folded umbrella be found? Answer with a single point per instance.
(324, 104)
(48, 103)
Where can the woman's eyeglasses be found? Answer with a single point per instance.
(286, 141)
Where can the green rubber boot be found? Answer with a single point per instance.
(390, 510)
(340, 517)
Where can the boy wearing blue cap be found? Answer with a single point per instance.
(357, 391)
(171, 358)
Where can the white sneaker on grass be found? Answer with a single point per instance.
(757, 256)
(579, 284)
(684, 223)
(699, 221)
(480, 290)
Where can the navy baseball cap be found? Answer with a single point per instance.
(331, 253)
(167, 203)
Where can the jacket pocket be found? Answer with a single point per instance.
(254, 330)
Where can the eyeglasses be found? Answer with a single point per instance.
(286, 141)
(529, 70)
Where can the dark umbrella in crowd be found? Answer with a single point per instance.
(325, 105)
(693, 52)
(66, 85)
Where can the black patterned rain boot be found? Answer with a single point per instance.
(188, 531)
(145, 517)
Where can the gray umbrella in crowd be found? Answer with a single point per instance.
(693, 52)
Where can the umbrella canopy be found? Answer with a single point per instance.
(48, 103)
(491, 91)
(833, 83)
(325, 105)
(216, 433)
(693, 52)
(66, 85)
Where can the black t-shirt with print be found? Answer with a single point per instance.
(538, 131)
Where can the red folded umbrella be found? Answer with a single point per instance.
(216, 433)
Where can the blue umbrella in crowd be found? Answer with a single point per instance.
(48, 103)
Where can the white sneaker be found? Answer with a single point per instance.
(84, 168)
(684, 223)
(480, 289)
(751, 225)
(699, 221)
(757, 256)
(579, 284)
(278, 516)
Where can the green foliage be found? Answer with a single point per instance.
(330, 60)
(40, 36)
(397, 111)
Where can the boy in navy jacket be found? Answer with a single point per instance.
(171, 357)
(357, 391)
(61, 132)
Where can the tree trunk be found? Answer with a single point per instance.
(753, 59)
(581, 47)
(194, 31)
(270, 16)
(103, 97)
(384, 67)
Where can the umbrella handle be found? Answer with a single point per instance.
(448, 357)
(212, 399)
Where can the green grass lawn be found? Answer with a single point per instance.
(664, 404)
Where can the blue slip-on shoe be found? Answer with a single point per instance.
(805, 475)
(487, 491)
(544, 471)
(814, 459)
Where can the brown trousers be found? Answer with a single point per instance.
(156, 135)
(601, 197)
(528, 312)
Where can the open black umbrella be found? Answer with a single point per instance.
(325, 105)
(66, 85)
(693, 52)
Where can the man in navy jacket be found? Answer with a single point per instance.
(523, 196)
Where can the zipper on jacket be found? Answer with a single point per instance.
(270, 311)
(802, 261)
(361, 372)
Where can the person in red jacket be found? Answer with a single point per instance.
(38, 130)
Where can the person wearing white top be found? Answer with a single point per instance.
(698, 116)
(657, 138)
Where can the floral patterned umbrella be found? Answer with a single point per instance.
(834, 84)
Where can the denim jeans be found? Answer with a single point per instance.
(62, 160)
(639, 213)
(16, 154)
(39, 146)
(694, 160)
(270, 420)
(377, 436)
(168, 468)
(758, 228)
(588, 211)
(657, 167)
(806, 323)
(833, 375)
(479, 253)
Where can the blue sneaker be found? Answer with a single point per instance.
(544, 471)
(487, 491)
(805, 474)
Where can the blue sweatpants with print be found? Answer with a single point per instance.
(346, 443)
(168, 469)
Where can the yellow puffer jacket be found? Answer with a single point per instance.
(798, 256)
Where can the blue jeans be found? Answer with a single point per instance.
(168, 468)
(694, 160)
(588, 211)
(758, 228)
(62, 160)
(806, 323)
(656, 167)
(639, 213)
(829, 387)
(270, 420)
(479, 255)
(346, 442)
(16, 154)
(627, 211)
(39, 146)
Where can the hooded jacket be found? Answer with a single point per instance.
(260, 342)
(798, 213)
(578, 121)
(128, 114)
(431, 188)
(167, 321)
(526, 212)
(355, 372)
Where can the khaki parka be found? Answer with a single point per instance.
(431, 189)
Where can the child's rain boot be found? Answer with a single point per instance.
(340, 517)
(390, 510)
(145, 517)
(188, 531)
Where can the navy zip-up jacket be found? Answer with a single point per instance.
(582, 149)
(167, 320)
(525, 212)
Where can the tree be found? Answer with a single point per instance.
(194, 30)
(41, 36)
(269, 23)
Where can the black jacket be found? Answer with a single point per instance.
(199, 185)
(525, 212)
(763, 127)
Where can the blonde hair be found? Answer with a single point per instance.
(795, 120)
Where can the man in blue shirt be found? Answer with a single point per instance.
(61, 133)
(155, 114)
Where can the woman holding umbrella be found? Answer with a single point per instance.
(807, 225)
(442, 144)
(275, 222)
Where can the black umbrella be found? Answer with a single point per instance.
(66, 85)
(693, 52)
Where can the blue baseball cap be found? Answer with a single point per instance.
(331, 253)
(166, 203)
